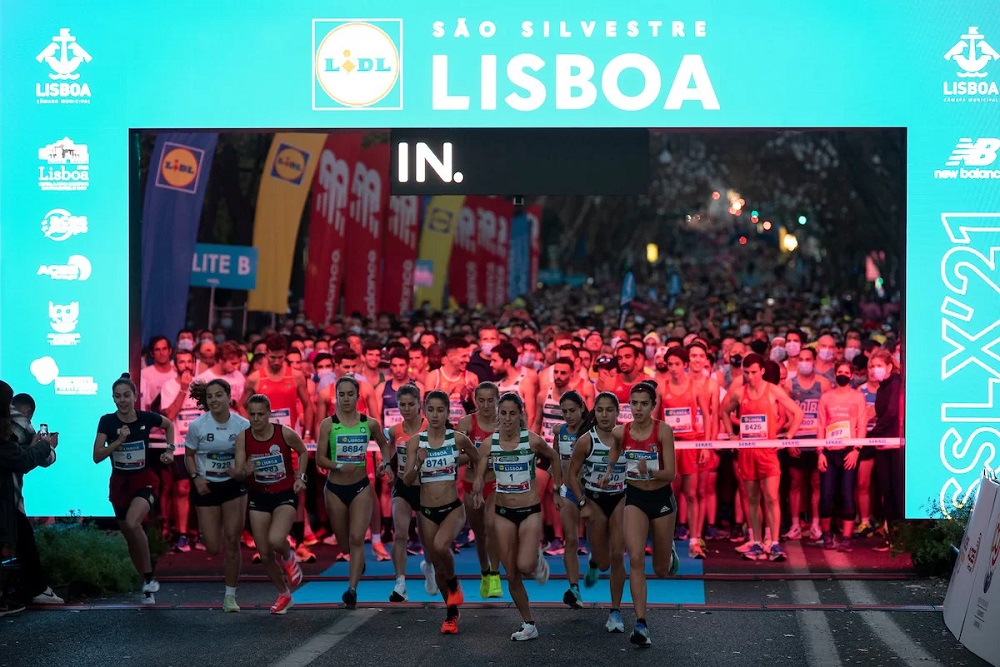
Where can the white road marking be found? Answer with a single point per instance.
(820, 646)
(326, 639)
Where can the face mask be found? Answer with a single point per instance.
(878, 373)
(735, 360)
(843, 380)
(220, 338)
(825, 354)
(778, 354)
(744, 329)
(758, 346)
(650, 351)
(860, 379)
(793, 347)
(527, 358)
(323, 372)
(244, 368)
(805, 368)
(614, 342)
(227, 323)
(851, 352)
(487, 349)
(185, 345)
(355, 330)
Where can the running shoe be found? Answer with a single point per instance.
(695, 550)
(350, 598)
(581, 550)
(882, 546)
(572, 598)
(863, 529)
(794, 533)
(496, 590)
(256, 557)
(47, 596)
(755, 552)
(556, 548)
(541, 568)
(310, 540)
(148, 598)
(413, 548)
(456, 598)
(815, 532)
(640, 636)
(9, 608)
(776, 554)
(675, 561)
(745, 547)
(283, 604)
(713, 533)
(430, 584)
(649, 550)
(305, 555)
(330, 540)
(527, 631)
(737, 534)
(450, 626)
(829, 541)
(292, 570)
(248, 540)
(615, 623)
(844, 545)
(199, 543)
(342, 557)
(398, 593)
(380, 553)
(593, 575)
(681, 532)
(151, 586)
(229, 604)
(182, 544)
(484, 586)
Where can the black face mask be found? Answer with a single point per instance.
(759, 346)
(735, 360)
(843, 380)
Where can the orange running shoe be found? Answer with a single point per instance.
(450, 626)
(456, 598)
(283, 604)
(292, 570)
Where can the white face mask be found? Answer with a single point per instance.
(185, 345)
(850, 353)
(778, 354)
(805, 368)
(244, 368)
(879, 373)
(825, 354)
(650, 351)
(324, 372)
(793, 347)
(487, 349)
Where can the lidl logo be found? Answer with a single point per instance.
(289, 164)
(357, 64)
(180, 167)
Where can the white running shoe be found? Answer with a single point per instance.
(541, 571)
(615, 623)
(815, 532)
(430, 585)
(152, 586)
(47, 596)
(527, 631)
(148, 598)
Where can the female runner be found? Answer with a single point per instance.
(480, 426)
(349, 495)
(217, 489)
(648, 447)
(514, 451)
(602, 507)
(435, 456)
(405, 499)
(573, 410)
(264, 456)
(123, 436)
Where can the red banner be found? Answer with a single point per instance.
(327, 226)
(368, 203)
(493, 216)
(464, 275)
(535, 226)
(399, 252)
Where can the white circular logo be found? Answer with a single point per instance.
(357, 64)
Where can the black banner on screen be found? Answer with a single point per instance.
(512, 161)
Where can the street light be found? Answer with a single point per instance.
(789, 242)
(652, 253)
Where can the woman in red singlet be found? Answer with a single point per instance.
(264, 454)
(648, 447)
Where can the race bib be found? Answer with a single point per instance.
(130, 457)
(753, 427)
(217, 464)
(282, 416)
(391, 417)
(513, 476)
(678, 419)
(549, 430)
(439, 465)
(810, 424)
(268, 468)
(350, 449)
(633, 457)
(624, 413)
(183, 423)
(455, 410)
(838, 430)
(616, 481)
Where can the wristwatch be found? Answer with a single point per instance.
(194, 475)
(581, 502)
(303, 478)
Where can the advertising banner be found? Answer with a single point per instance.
(493, 216)
(175, 193)
(328, 226)
(436, 237)
(465, 277)
(400, 253)
(534, 214)
(519, 259)
(366, 210)
(224, 266)
(288, 172)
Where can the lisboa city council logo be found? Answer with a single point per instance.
(357, 64)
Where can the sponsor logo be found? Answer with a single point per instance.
(972, 82)
(972, 159)
(180, 167)
(357, 64)
(46, 372)
(63, 56)
(289, 164)
(63, 319)
(77, 267)
(59, 224)
(68, 166)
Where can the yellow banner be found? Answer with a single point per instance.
(284, 185)
(440, 220)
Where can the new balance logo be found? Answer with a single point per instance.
(973, 157)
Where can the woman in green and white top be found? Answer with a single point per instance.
(435, 457)
(514, 451)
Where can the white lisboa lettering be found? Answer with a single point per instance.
(574, 86)
(372, 283)
(407, 289)
(62, 90)
(367, 191)
(63, 174)
(332, 287)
